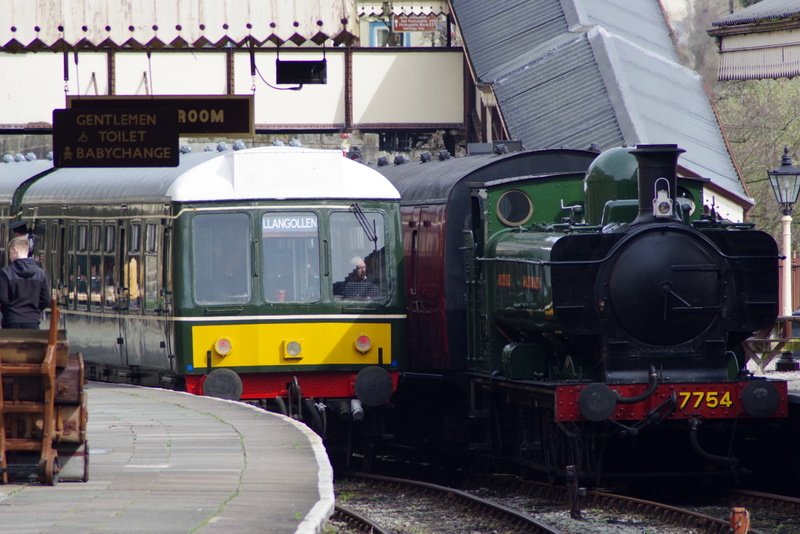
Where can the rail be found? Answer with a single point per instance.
(513, 519)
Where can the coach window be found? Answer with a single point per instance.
(82, 271)
(69, 260)
(221, 258)
(96, 267)
(54, 273)
(358, 269)
(131, 270)
(290, 248)
(151, 267)
(109, 283)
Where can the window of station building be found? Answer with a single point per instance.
(221, 258)
(290, 248)
(401, 142)
(514, 208)
(358, 262)
(381, 36)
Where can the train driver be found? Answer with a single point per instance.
(357, 286)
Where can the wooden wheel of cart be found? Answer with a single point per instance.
(49, 469)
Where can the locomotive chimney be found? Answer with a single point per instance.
(658, 182)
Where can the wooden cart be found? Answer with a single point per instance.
(43, 407)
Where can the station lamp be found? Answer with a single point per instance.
(785, 181)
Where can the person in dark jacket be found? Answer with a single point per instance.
(24, 291)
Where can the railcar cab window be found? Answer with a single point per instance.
(358, 260)
(221, 258)
(290, 248)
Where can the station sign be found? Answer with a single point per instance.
(115, 137)
(198, 116)
(414, 23)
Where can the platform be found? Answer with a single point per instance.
(169, 462)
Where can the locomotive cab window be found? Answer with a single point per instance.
(290, 248)
(221, 258)
(358, 256)
(514, 208)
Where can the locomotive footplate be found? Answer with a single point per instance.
(715, 400)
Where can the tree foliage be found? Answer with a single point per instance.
(759, 118)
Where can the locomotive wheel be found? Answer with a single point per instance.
(223, 383)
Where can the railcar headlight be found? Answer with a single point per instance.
(363, 343)
(292, 348)
(223, 346)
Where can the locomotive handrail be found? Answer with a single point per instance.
(602, 260)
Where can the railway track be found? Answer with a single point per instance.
(497, 499)
(755, 499)
(620, 504)
(356, 521)
(467, 504)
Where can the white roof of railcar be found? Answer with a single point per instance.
(266, 173)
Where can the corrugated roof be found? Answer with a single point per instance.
(69, 24)
(641, 22)
(666, 103)
(602, 72)
(501, 31)
(559, 99)
(764, 10)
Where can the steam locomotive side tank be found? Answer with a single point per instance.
(608, 345)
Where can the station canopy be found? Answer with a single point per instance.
(60, 25)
